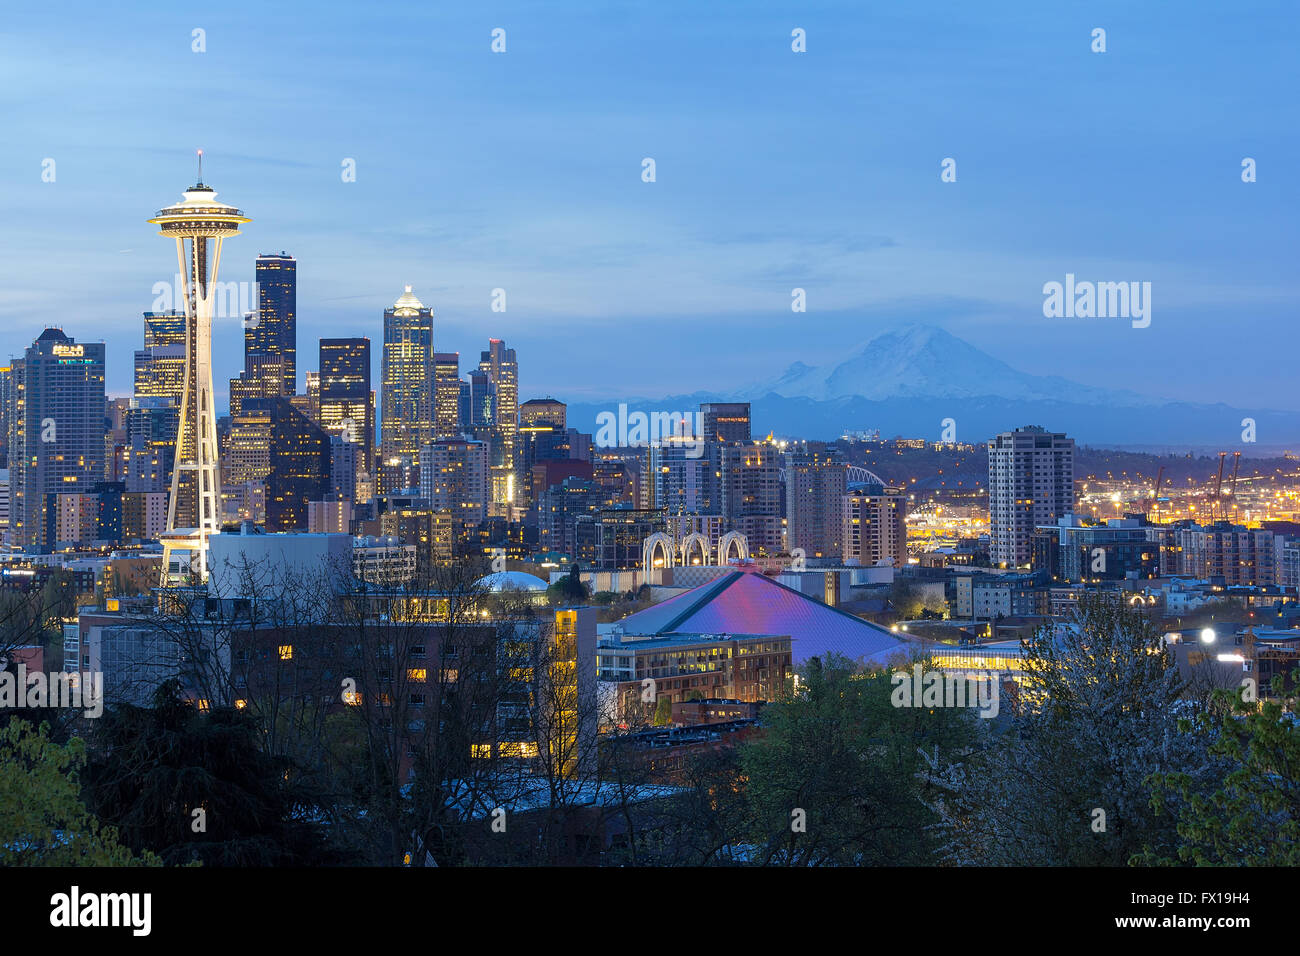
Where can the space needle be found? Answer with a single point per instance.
(199, 224)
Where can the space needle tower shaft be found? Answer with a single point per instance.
(199, 224)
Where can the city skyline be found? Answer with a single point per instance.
(727, 436)
(755, 194)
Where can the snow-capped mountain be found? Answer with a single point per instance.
(927, 362)
(913, 380)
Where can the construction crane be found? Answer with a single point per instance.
(1232, 485)
(1218, 484)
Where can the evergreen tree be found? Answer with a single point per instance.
(195, 786)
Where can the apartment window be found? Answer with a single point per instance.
(286, 652)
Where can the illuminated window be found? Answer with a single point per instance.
(417, 673)
(521, 749)
(286, 652)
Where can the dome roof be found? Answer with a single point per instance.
(511, 581)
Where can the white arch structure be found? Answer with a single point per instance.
(697, 541)
(657, 543)
(660, 551)
(725, 544)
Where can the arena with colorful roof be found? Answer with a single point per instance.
(748, 602)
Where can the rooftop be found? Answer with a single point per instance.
(743, 602)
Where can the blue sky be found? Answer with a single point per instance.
(819, 170)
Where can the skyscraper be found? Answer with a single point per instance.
(751, 495)
(160, 365)
(56, 432)
(679, 478)
(1031, 483)
(446, 394)
(482, 400)
(311, 392)
(541, 436)
(199, 225)
(407, 401)
(548, 411)
(262, 377)
(346, 409)
(273, 336)
(248, 450)
(300, 467)
(6, 403)
(153, 415)
(498, 364)
(725, 421)
(463, 406)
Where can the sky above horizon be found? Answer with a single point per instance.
(774, 170)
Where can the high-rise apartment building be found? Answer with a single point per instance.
(343, 469)
(454, 478)
(1031, 483)
(56, 432)
(751, 495)
(407, 411)
(144, 513)
(815, 484)
(680, 478)
(873, 525)
(6, 402)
